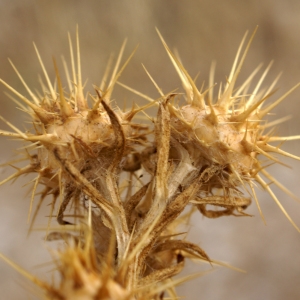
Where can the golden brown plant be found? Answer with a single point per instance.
(124, 183)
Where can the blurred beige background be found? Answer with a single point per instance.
(201, 31)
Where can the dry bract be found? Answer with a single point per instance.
(124, 184)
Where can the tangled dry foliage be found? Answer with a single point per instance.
(123, 185)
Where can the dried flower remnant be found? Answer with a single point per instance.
(134, 181)
(228, 134)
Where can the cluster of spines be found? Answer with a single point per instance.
(244, 114)
(57, 106)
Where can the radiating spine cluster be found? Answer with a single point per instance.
(229, 132)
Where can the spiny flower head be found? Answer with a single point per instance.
(94, 139)
(227, 132)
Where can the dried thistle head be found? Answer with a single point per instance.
(94, 139)
(229, 132)
(83, 274)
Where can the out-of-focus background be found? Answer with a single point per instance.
(201, 31)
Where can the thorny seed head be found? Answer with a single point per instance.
(227, 132)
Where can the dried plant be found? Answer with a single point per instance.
(123, 185)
